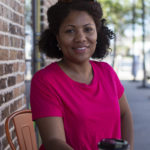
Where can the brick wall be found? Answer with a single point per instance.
(44, 6)
(12, 63)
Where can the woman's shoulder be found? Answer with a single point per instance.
(46, 72)
(101, 65)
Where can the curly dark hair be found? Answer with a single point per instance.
(56, 15)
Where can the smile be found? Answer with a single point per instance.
(81, 48)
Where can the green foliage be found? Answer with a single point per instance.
(126, 15)
(119, 13)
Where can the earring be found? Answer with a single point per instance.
(58, 47)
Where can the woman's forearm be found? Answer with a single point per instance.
(57, 144)
(127, 129)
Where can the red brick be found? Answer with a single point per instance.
(6, 40)
(4, 54)
(22, 43)
(8, 96)
(11, 42)
(11, 81)
(2, 40)
(19, 78)
(1, 70)
(4, 12)
(2, 130)
(4, 143)
(22, 21)
(5, 26)
(16, 67)
(1, 99)
(18, 103)
(5, 112)
(2, 83)
(13, 55)
(22, 89)
(22, 1)
(22, 67)
(13, 107)
(22, 32)
(8, 68)
(18, 31)
(12, 28)
(1, 10)
(16, 18)
(16, 41)
(15, 6)
(1, 22)
(11, 123)
(20, 55)
(20, 9)
(16, 92)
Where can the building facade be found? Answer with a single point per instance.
(12, 60)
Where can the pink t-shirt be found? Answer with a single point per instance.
(90, 112)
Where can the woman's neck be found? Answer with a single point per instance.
(80, 72)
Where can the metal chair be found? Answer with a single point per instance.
(24, 128)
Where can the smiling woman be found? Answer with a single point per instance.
(77, 102)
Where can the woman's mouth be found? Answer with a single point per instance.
(80, 49)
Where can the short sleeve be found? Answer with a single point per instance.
(113, 79)
(43, 99)
(117, 83)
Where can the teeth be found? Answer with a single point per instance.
(81, 48)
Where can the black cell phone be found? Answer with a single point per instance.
(113, 144)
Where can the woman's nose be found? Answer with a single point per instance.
(80, 36)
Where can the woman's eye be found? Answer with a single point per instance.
(88, 29)
(69, 31)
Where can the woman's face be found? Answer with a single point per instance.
(77, 37)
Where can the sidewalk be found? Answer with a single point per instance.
(139, 101)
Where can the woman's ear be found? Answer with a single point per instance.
(57, 38)
(58, 42)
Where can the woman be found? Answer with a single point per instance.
(77, 102)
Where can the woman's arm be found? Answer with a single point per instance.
(52, 133)
(126, 121)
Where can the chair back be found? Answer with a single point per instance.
(24, 128)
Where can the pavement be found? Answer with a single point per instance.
(139, 101)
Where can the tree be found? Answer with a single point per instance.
(118, 14)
